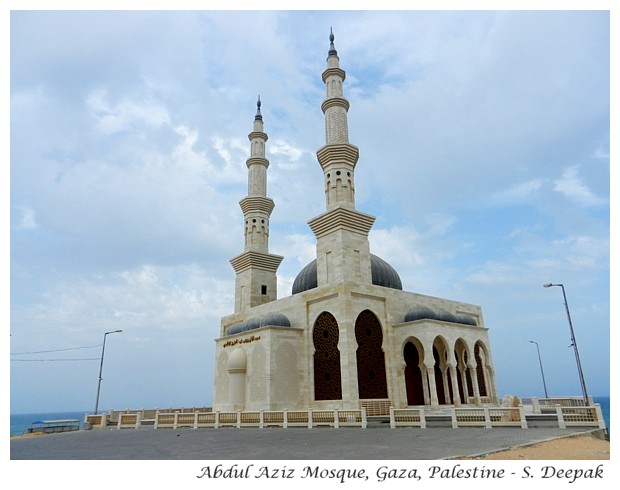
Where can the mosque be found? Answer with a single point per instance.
(349, 336)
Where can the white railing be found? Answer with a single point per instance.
(568, 414)
(262, 419)
(580, 416)
(489, 417)
(407, 417)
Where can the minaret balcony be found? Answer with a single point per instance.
(335, 102)
(257, 161)
(260, 204)
(341, 219)
(259, 135)
(334, 72)
(343, 153)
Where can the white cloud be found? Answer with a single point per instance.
(571, 186)
(27, 221)
(519, 194)
(114, 118)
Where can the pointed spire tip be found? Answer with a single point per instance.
(258, 114)
(332, 49)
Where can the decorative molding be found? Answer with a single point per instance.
(264, 204)
(344, 152)
(335, 102)
(341, 219)
(337, 72)
(256, 260)
(257, 161)
(258, 134)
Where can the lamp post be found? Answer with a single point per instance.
(101, 368)
(541, 368)
(573, 343)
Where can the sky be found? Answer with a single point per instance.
(484, 141)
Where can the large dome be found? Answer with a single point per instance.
(383, 274)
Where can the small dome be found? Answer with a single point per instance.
(383, 274)
(420, 313)
(275, 320)
(446, 316)
(235, 328)
(465, 319)
(251, 324)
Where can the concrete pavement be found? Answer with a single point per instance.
(321, 443)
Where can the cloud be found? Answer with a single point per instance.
(573, 188)
(27, 221)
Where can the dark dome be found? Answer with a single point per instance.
(425, 313)
(236, 328)
(275, 320)
(306, 279)
(446, 316)
(465, 319)
(272, 319)
(420, 313)
(383, 274)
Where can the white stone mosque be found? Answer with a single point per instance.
(348, 337)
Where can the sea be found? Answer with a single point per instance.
(22, 421)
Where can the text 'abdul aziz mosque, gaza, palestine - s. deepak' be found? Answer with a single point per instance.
(348, 337)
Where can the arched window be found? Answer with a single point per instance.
(327, 377)
(413, 375)
(478, 354)
(371, 378)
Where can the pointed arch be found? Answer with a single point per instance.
(480, 356)
(443, 383)
(413, 355)
(460, 354)
(371, 375)
(327, 375)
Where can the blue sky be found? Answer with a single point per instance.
(484, 144)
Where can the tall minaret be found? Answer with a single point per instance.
(256, 268)
(343, 251)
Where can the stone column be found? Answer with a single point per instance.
(474, 382)
(432, 387)
(456, 398)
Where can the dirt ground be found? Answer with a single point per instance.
(567, 448)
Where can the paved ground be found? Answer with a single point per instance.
(278, 444)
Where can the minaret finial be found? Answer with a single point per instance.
(332, 49)
(258, 114)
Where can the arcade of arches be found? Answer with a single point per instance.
(461, 378)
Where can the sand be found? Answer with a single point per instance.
(566, 448)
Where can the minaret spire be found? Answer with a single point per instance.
(332, 49)
(343, 251)
(337, 158)
(256, 268)
(258, 114)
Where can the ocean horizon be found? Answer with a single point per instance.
(22, 421)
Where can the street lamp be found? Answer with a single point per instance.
(101, 368)
(573, 343)
(541, 368)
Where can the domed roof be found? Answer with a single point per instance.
(306, 279)
(420, 313)
(383, 274)
(465, 319)
(269, 320)
(275, 320)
